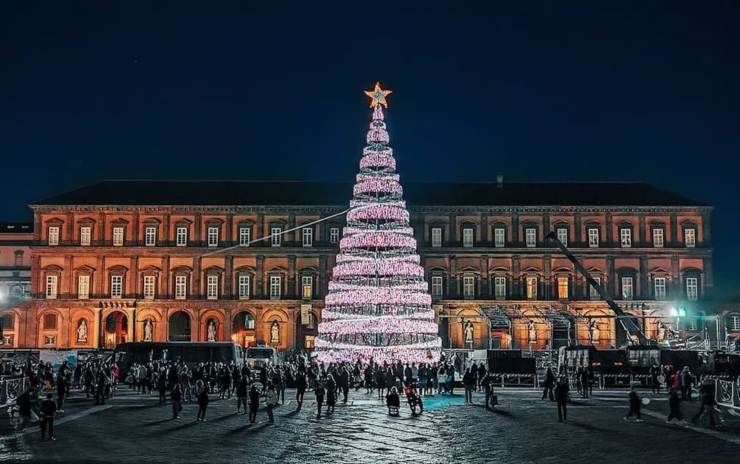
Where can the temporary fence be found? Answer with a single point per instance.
(727, 393)
(11, 387)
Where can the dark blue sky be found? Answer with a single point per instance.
(642, 90)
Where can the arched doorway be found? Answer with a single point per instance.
(563, 331)
(242, 329)
(116, 329)
(179, 327)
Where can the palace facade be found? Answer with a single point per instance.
(125, 261)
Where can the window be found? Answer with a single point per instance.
(18, 258)
(150, 236)
(468, 287)
(307, 286)
(244, 286)
(659, 285)
(51, 287)
(734, 322)
(212, 236)
(436, 237)
(307, 236)
(530, 236)
(149, 283)
(562, 234)
(181, 236)
(625, 237)
(593, 294)
(563, 288)
(85, 233)
(212, 286)
(468, 237)
(689, 237)
(627, 290)
(181, 287)
(658, 238)
(116, 286)
(53, 238)
(50, 321)
(499, 237)
(276, 236)
(83, 287)
(245, 236)
(499, 287)
(593, 237)
(334, 235)
(275, 287)
(531, 283)
(692, 288)
(118, 236)
(437, 286)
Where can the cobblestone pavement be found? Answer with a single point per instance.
(133, 428)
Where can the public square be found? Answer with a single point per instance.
(522, 429)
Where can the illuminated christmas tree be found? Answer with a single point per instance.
(378, 306)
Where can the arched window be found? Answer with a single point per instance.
(179, 326)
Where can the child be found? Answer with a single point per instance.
(635, 404)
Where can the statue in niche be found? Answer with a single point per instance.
(211, 331)
(468, 330)
(531, 332)
(148, 329)
(275, 332)
(82, 331)
(594, 333)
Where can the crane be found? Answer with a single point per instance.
(630, 327)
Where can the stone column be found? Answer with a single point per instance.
(674, 230)
(642, 236)
(99, 276)
(228, 277)
(135, 229)
(706, 223)
(196, 292)
(292, 279)
(708, 277)
(643, 292)
(547, 280)
(36, 227)
(229, 229)
(260, 232)
(197, 232)
(133, 283)
(484, 292)
(516, 285)
(452, 278)
(612, 286)
(166, 236)
(676, 277)
(484, 237)
(165, 282)
(324, 276)
(545, 225)
(36, 291)
(514, 229)
(452, 219)
(609, 232)
(68, 282)
(70, 224)
(578, 235)
(101, 228)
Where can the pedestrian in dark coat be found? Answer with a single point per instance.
(674, 404)
(176, 396)
(62, 385)
(48, 411)
(469, 382)
(300, 386)
(319, 391)
(635, 404)
(202, 403)
(549, 384)
(242, 390)
(331, 394)
(254, 403)
(561, 396)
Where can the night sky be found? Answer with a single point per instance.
(644, 91)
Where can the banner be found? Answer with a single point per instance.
(56, 358)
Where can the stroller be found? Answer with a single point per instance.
(393, 402)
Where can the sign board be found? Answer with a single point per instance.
(305, 314)
(56, 358)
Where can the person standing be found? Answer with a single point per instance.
(271, 399)
(687, 381)
(549, 384)
(487, 383)
(709, 402)
(469, 384)
(48, 411)
(254, 403)
(202, 403)
(319, 391)
(241, 395)
(561, 396)
(101, 386)
(331, 394)
(300, 388)
(635, 405)
(25, 405)
(62, 384)
(162, 387)
(585, 382)
(176, 396)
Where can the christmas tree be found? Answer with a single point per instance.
(378, 307)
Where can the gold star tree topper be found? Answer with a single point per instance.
(377, 96)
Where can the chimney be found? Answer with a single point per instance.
(499, 180)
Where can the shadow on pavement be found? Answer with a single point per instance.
(161, 421)
(175, 429)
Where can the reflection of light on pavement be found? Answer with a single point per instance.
(442, 401)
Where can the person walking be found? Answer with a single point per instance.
(101, 386)
(561, 396)
(162, 387)
(487, 383)
(549, 384)
(202, 402)
(271, 399)
(319, 391)
(687, 381)
(708, 402)
(25, 406)
(48, 411)
(674, 404)
(331, 394)
(635, 405)
(254, 403)
(176, 396)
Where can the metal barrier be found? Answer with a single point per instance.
(10, 388)
(727, 393)
(515, 380)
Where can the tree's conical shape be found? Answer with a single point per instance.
(378, 306)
